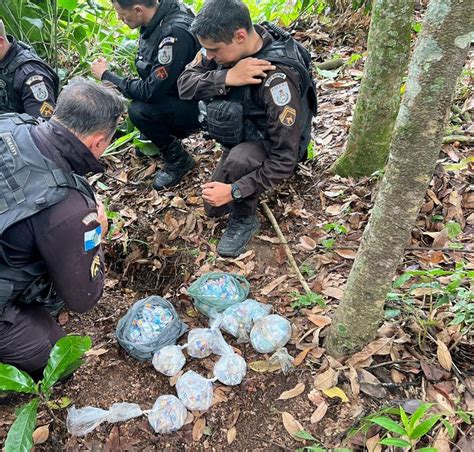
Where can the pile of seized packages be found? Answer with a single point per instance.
(150, 329)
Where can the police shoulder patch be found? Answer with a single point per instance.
(281, 94)
(89, 218)
(92, 238)
(95, 267)
(288, 116)
(165, 54)
(46, 110)
(275, 76)
(34, 78)
(168, 40)
(40, 91)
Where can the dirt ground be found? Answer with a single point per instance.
(163, 241)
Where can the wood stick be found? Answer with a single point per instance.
(288, 252)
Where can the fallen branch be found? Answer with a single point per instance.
(330, 64)
(288, 252)
(461, 138)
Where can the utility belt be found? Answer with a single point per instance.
(224, 121)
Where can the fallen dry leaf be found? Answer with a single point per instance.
(296, 391)
(346, 253)
(319, 320)
(441, 442)
(370, 384)
(336, 392)
(300, 357)
(307, 243)
(325, 380)
(316, 397)
(319, 412)
(198, 429)
(41, 434)
(231, 435)
(372, 444)
(377, 347)
(273, 285)
(291, 425)
(264, 366)
(96, 352)
(444, 356)
(333, 292)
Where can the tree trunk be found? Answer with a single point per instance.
(436, 64)
(379, 97)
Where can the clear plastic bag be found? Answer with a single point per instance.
(168, 414)
(149, 325)
(238, 319)
(217, 291)
(230, 369)
(169, 360)
(194, 391)
(199, 344)
(270, 334)
(81, 421)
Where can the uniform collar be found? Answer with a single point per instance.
(12, 51)
(164, 8)
(265, 35)
(60, 140)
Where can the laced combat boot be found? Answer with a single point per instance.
(237, 235)
(177, 162)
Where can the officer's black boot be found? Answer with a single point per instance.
(177, 163)
(238, 233)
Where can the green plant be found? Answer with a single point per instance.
(316, 446)
(65, 358)
(339, 229)
(410, 429)
(307, 269)
(306, 300)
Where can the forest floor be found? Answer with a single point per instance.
(163, 242)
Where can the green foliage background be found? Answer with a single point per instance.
(70, 34)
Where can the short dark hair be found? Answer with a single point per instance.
(218, 20)
(86, 107)
(127, 4)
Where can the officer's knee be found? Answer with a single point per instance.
(216, 212)
(237, 164)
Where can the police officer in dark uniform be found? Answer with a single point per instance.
(27, 83)
(257, 98)
(50, 224)
(166, 46)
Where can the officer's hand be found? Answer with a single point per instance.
(98, 67)
(102, 217)
(217, 193)
(249, 71)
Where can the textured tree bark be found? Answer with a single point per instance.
(379, 96)
(437, 61)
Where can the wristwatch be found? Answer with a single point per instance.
(235, 191)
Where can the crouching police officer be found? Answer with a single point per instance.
(258, 102)
(166, 46)
(27, 83)
(50, 224)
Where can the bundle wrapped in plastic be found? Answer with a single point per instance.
(199, 344)
(230, 369)
(149, 325)
(238, 319)
(169, 360)
(168, 414)
(217, 291)
(81, 421)
(270, 334)
(194, 391)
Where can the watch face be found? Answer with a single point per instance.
(236, 194)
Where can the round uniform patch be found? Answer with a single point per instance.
(40, 92)
(281, 94)
(165, 55)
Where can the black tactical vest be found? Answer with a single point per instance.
(29, 183)
(22, 54)
(175, 14)
(284, 50)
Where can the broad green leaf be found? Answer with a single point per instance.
(20, 435)
(427, 449)
(418, 414)
(424, 427)
(327, 73)
(70, 5)
(66, 351)
(450, 429)
(146, 147)
(397, 442)
(406, 422)
(401, 280)
(13, 379)
(305, 435)
(38, 23)
(389, 425)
